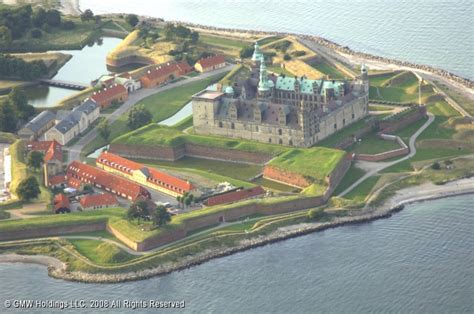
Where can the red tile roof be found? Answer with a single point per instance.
(98, 200)
(51, 149)
(105, 180)
(211, 61)
(165, 70)
(55, 180)
(156, 177)
(235, 196)
(108, 93)
(61, 201)
(73, 182)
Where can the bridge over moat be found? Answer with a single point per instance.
(64, 84)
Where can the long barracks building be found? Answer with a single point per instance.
(149, 177)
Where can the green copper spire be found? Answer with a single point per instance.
(257, 54)
(263, 82)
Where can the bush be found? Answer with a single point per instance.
(132, 19)
(36, 33)
(316, 214)
(246, 52)
(28, 189)
(299, 53)
(286, 57)
(436, 166)
(68, 25)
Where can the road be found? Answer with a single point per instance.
(75, 150)
(376, 167)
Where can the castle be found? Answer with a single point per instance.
(293, 111)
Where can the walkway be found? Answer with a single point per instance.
(375, 167)
(75, 150)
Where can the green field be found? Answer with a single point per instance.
(360, 193)
(351, 176)
(331, 71)
(372, 144)
(313, 163)
(223, 42)
(265, 41)
(275, 185)
(277, 69)
(234, 170)
(100, 252)
(346, 132)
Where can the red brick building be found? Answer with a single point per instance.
(61, 204)
(210, 63)
(236, 196)
(106, 181)
(160, 74)
(107, 95)
(98, 201)
(149, 177)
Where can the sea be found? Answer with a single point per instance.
(439, 33)
(421, 260)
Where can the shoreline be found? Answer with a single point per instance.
(393, 205)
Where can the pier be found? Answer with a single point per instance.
(64, 84)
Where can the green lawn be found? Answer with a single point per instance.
(101, 252)
(223, 42)
(277, 69)
(313, 163)
(372, 144)
(439, 128)
(275, 185)
(351, 176)
(265, 41)
(229, 169)
(324, 67)
(360, 193)
(348, 131)
(404, 166)
(408, 131)
(165, 104)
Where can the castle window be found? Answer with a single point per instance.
(335, 125)
(291, 142)
(343, 121)
(279, 132)
(280, 141)
(256, 128)
(220, 124)
(353, 116)
(232, 125)
(269, 140)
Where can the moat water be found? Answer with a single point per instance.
(421, 260)
(433, 32)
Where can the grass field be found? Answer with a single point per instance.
(324, 67)
(224, 41)
(238, 171)
(313, 163)
(101, 252)
(352, 175)
(372, 144)
(360, 193)
(277, 69)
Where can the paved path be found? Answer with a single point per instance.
(75, 150)
(375, 167)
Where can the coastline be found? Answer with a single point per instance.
(427, 191)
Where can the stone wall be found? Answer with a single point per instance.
(148, 151)
(206, 152)
(285, 177)
(337, 175)
(384, 155)
(133, 59)
(390, 126)
(51, 231)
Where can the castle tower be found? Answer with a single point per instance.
(364, 76)
(257, 57)
(264, 86)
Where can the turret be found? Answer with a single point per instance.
(263, 83)
(257, 53)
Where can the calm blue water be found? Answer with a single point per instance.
(419, 261)
(433, 32)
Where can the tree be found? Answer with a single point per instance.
(179, 200)
(5, 36)
(36, 33)
(138, 210)
(104, 129)
(132, 19)
(194, 37)
(246, 52)
(8, 117)
(97, 19)
(35, 159)
(28, 189)
(39, 17)
(53, 18)
(138, 117)
(87, 15)
(187, 201)
(436, 166)
(286, 57)
(316, 213)
(17, 97)
(161, 216)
